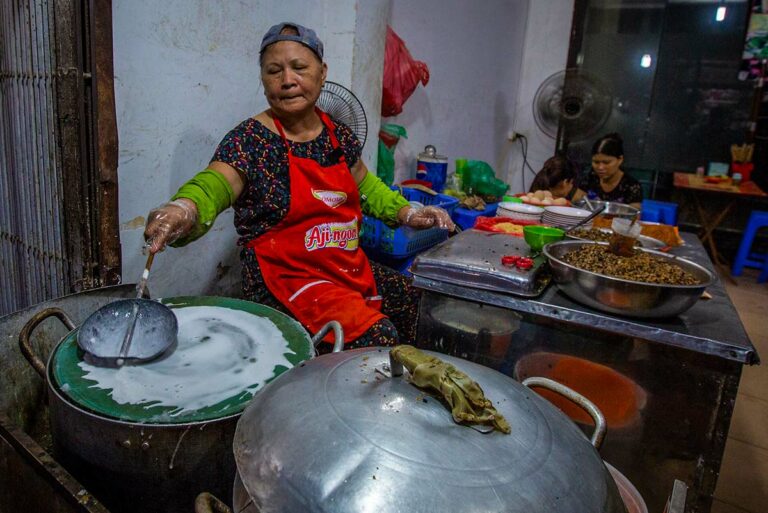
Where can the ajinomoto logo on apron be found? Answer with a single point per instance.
(331, 198)
(332, 235)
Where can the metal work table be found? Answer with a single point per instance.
(667, 386)
(711, 327)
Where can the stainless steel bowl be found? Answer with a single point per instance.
(644, 240)
(612, 209)
(625, 297)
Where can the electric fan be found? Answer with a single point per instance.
(571, 105)
(343, 106)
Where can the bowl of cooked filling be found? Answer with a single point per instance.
(647, 284)
(604, 235)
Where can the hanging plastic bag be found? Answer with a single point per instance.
(401, 75)
(389, 135)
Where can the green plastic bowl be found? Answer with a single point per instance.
(539, 236)
(512, 199)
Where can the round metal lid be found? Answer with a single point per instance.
(337, 435)
(227, 350)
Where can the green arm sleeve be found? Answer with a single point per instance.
(212, 194)
(380, 201)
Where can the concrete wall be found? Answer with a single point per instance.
(486, 60)
(186, 72)
(546, 52)
(474, 52)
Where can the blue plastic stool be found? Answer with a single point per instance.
(745, 258)
(653, 216)
(659, 211)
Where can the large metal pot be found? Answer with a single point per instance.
(159, 461)
(341, 433)
(625, 297)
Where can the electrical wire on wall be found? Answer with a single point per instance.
(524, 149)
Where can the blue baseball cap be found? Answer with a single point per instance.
(305, 36)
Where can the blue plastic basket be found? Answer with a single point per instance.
(466, 218)
(403, 242)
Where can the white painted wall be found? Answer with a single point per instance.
(474, 52)
(486, 60)
(547, 38)
(186, 72)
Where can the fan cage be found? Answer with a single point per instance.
(343, 106)
(574, 102)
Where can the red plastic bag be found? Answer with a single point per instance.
(401, 75)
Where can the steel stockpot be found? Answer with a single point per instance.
(145, 457)
(343, 433)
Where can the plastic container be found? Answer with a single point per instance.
(399, 264)
(659, 211)
(403, 242)
(432, 167)
(466, 218)
(539, 236)
(625, 234)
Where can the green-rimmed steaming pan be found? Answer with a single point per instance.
(69, 378)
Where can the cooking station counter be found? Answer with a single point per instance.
(712, 326)
(667, 386)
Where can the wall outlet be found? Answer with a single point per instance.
(514, 135)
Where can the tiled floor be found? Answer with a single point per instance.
(743, 483)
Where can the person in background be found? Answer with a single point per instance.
(607, 181)
(558, 176)
(298, 187)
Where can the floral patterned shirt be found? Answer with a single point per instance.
(261, 156)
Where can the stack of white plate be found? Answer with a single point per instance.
(565, 216)
(519, 211)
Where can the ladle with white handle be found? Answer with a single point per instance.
(126, 345)
(129, 331)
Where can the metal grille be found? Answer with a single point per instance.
(33, 261)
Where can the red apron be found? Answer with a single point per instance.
(311, 260)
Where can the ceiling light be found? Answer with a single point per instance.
(720, 15)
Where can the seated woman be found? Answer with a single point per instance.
(558, 176)
(607, 181)
(299, 187)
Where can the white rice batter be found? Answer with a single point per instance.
(221, 353)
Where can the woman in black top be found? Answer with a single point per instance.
(607, 181)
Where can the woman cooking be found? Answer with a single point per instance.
(297, 185)
(607, 181)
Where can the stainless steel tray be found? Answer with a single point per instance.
(473, 259)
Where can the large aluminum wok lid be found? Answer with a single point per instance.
(336, 434)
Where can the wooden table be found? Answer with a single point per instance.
(697, 186)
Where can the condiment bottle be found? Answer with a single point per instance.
(625, 234)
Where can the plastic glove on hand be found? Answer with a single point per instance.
(428, 217)
(169, 222)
